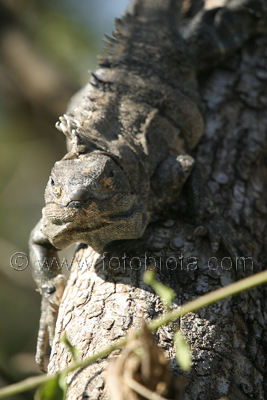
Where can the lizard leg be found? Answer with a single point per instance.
(177, 172)
(212, 224)
(168, 180)
(214, 34)
(51, 283)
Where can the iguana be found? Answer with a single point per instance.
(130, 135)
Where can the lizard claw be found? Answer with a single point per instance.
(219, 231)
(51, 297)
(204, 231)
(200, 231)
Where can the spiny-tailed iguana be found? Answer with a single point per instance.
(130, 133)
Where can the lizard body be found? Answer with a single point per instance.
(130, 136)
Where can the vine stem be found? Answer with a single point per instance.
(194, 305)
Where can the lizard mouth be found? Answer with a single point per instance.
(60, 215)
(93, 222)
(62, 234)
(78, 204)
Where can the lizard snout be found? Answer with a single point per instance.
(78, 196)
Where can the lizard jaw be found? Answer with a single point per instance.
(129, 225)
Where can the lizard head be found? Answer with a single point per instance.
(89, 200)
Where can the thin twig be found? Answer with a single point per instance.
(142, 390)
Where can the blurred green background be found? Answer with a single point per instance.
(46, 49)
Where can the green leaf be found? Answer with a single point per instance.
(74, 351)
(50, 391)
(166, 294)
(62, 381)
(183, 351)
(149, 277)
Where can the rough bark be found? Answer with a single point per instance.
(105, 298)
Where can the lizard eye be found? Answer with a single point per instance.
(57, 190)
(111, 174)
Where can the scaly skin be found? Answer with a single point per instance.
(130, 133)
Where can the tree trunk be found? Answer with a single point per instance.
(105, 295)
